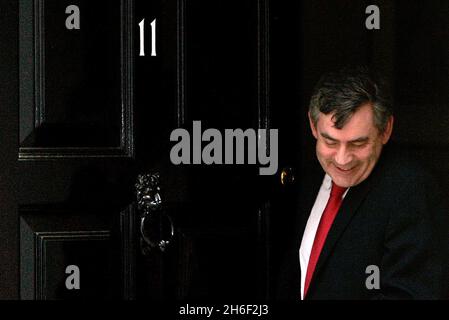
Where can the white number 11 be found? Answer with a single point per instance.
(142, 38)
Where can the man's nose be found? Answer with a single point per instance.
(343, 156)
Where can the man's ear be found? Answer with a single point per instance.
(312, 126)
(388, 130)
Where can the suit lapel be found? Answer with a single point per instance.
(347, 211)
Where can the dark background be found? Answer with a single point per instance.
(81, 115)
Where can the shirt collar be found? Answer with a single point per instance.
(327, 182)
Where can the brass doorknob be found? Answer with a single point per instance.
(287, 176)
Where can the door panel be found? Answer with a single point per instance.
(52, 242)
(75, 84)
(76, 147)
(207, 69)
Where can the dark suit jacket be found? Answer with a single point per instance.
(396, 219)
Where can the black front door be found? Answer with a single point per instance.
(207, 73)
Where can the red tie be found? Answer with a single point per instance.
(327, 218)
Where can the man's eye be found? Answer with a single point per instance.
(330, 143)
(359, 144)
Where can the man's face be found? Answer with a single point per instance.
(348, 155)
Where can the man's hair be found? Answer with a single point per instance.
(345, 91)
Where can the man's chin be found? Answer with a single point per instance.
(344, 182)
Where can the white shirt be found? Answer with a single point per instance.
(312, 226)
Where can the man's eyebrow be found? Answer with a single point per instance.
(326, 136)
(361, 139)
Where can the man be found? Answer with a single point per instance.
(375, 226)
